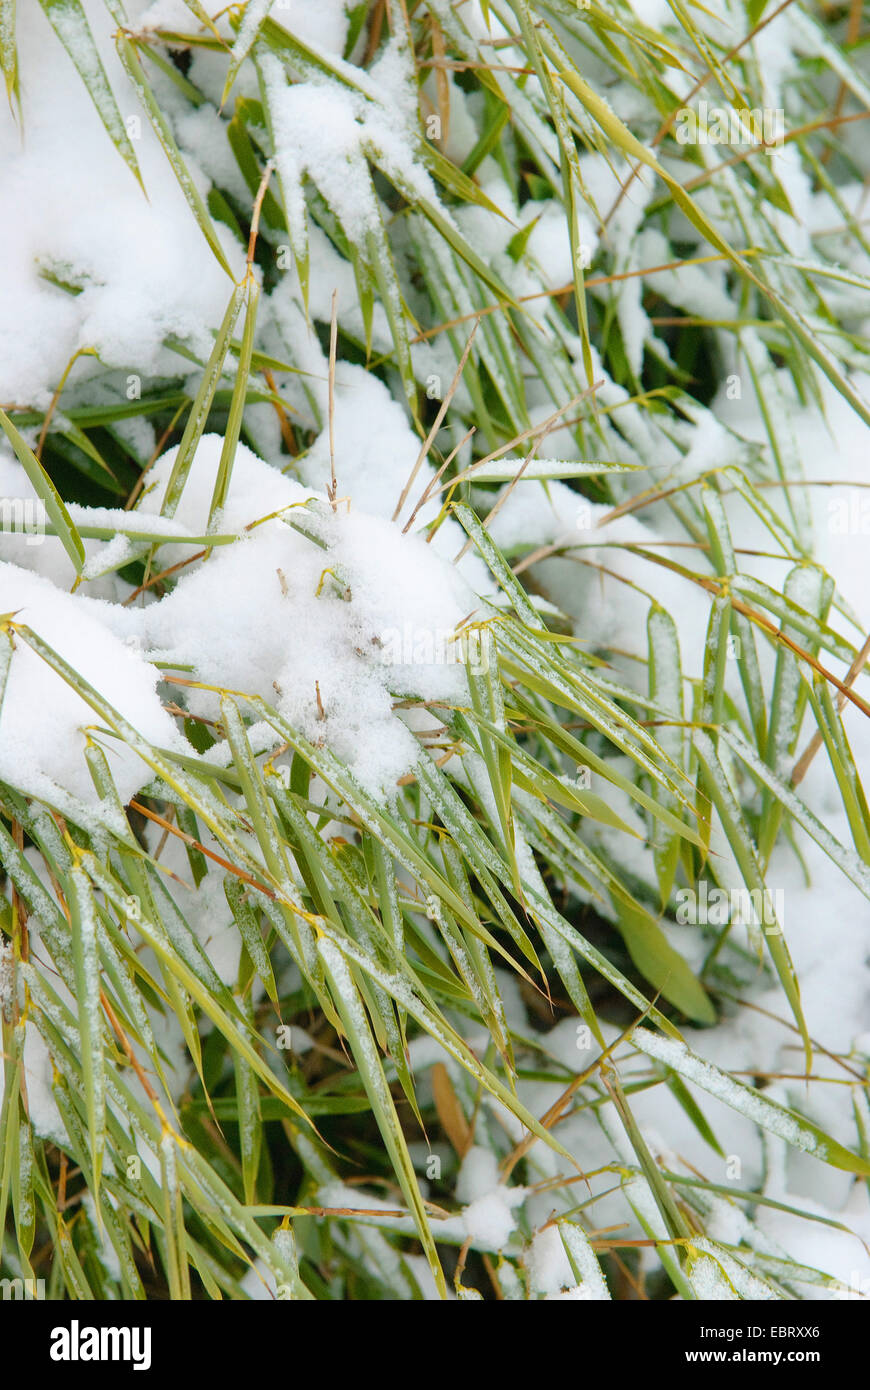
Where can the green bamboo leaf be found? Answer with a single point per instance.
(379, 256)
(184, 940)
(249, 1117)
(7, 651)
(246, 921)
(454, 179)
(174, 1236)
(486, 698)
(847, 861)
(673, 1218)
(74, 1276)
(10, 1111)
(542, 470)
(23, 1203)
(8, 49)
(790, 693)
(195, 858)
(716, 653)
(237, 407)
(371, 1072)
(489, 137)
(464, 250)
(119, 1235)
(666, 688)
(583, 1261)
(28, 883)
(641, 1199)
(843, 763)
(363, 924)
(255, 12)
(716, 786)
(797, 1131)
(246, 111)
(661, 964)
(309, 62)
(572, 183)
(692, 1109)
(87, 970)
(48, 494)
(808, 629)
(202, 404)
(129, 56)
(743, 643)
(69, 21)
(562, 955)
